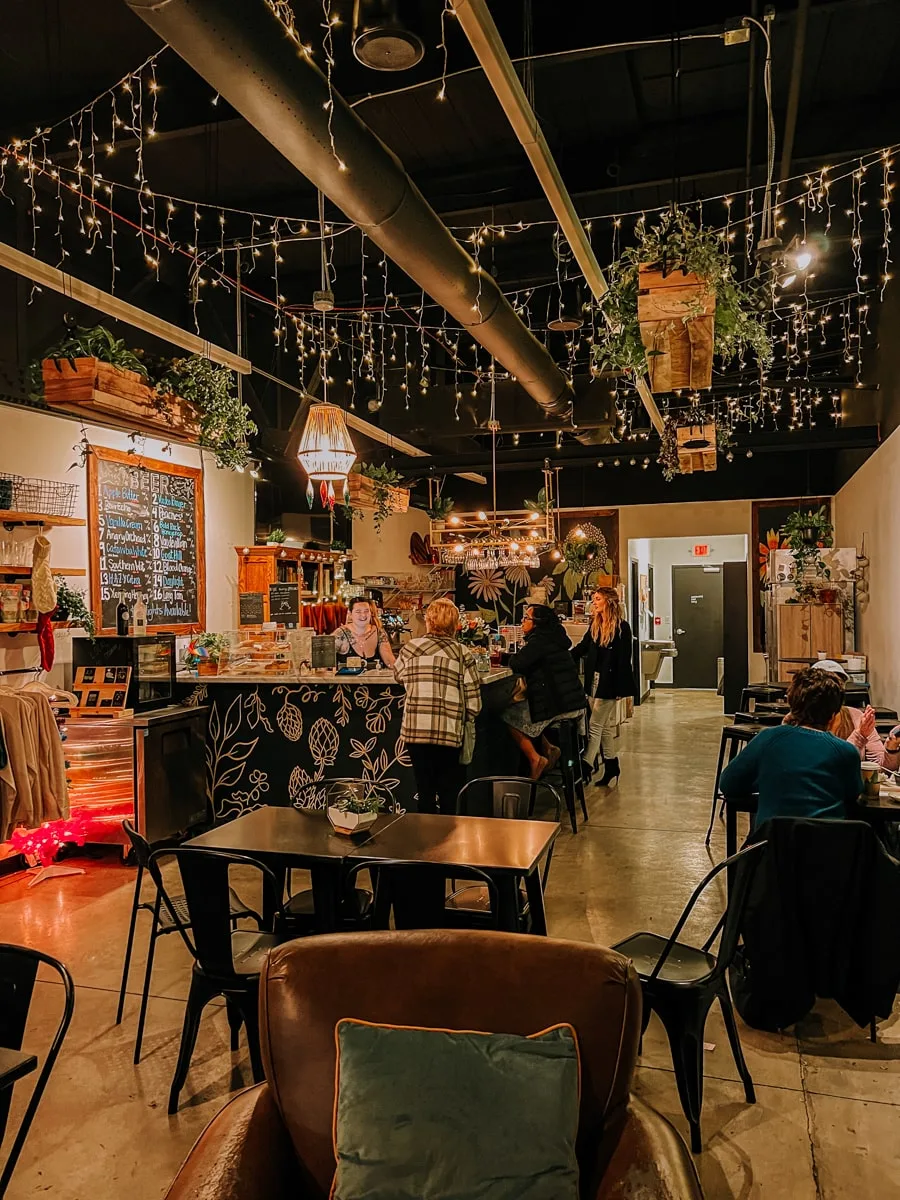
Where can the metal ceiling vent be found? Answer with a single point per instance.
(381, 40)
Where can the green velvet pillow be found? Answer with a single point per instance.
(433, 1114)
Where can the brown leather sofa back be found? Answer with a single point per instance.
(495, 982)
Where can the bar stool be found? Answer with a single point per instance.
(762, 691)
(856, 695)
(757, 717)
(569, 767)
(734, 738)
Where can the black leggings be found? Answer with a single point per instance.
(439, 775)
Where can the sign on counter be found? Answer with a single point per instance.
(284, 604)
(252, 609)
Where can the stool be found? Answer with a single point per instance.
(885, 714)
(856, 695)
(758, 717)
(734, 738)
(569, 767)
(761, 691)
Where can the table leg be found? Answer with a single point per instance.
(535, 892)
(326, 884)
(279, 870)
(730, 830)
(507, 902)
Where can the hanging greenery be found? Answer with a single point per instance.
(668, 450)
(806, 532)
(585, 557)
(440, 508)
(676, 244)
(225, 425)
(71, 606)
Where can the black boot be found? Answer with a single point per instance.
(589, 769)
(611, 774)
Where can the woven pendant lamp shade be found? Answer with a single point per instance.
(326, 452)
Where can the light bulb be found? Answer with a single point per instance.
(513, 545)
(454, 520)
(482, 516)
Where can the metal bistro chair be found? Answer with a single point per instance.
(505, 797)
(680, 983)
(18, 972)
(227, 961)
(569, 767)
(734, 738)
(399, 887)
(161, 924)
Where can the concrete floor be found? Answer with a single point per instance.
(827, 1118)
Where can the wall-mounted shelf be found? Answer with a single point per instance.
(54, 570)
(28, 626)
(10, 516)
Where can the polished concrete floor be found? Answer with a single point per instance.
(827, 1118)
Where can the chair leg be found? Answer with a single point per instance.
(712, 815)
(735, 1042)
(129, 945)
(145, 994)
(684, 1022)
(249, 1007)
(235, 1021)
(198, 997)
(873, 1031)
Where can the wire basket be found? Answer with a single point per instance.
(42, 496)
(9, 485)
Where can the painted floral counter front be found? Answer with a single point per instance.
(272, 743)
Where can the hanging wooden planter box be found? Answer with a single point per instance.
(677, 318)
(691, 458)
(363, 494)
(90, 387)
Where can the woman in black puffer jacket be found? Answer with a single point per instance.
(554, 689)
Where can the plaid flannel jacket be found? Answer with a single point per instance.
(442, 690)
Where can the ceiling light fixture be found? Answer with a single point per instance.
(380, 39)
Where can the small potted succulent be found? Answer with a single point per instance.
(276, 537)
(352, 807)
(204, 652)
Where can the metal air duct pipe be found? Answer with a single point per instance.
(244, 53)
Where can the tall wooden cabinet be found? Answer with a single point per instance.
(805, 630)
(313, 570)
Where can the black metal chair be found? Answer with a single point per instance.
(680, 983)
(227, 961)
(18, 972)
(734, 738)
(415, 892)
(505, 797)
(755, 692)
(162, 923)
(569, 766)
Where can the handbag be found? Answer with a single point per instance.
(467, 749)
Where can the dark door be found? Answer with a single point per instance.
(635, 623)
(697, 625)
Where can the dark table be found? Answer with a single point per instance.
(283, 838)
(880, 812)
(14, 1065)
(506, 850)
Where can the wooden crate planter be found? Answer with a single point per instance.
(363, 493)
(690, 460)
(90, 387)
(684, 348)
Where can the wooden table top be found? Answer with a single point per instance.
(488, 843)
(14, 1065)
(287, 833)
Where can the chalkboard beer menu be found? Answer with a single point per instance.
(146, 539)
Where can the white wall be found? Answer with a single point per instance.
(666, 553)
(43, 445)
(386, 552)
(868, 507)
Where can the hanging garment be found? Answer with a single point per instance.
(43, 589)
(33, 783)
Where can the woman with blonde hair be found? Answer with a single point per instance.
(443, 694)
(608, 676)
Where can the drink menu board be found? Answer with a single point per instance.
(146, 539)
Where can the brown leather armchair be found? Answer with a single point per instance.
(274, 1141)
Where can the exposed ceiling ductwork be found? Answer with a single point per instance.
(242, 52)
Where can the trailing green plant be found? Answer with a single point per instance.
(384, 478)
(668, 450)
(584, 559)
(806, 532)
(74, 606)
(94, 341)
(225, 425)
(676, 243)
(441, 508)
(278, 536)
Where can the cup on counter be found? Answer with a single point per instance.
(821, 655)
(871, 775)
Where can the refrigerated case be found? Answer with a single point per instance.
(151, 659)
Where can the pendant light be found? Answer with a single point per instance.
(326, 452)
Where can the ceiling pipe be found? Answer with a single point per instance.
(244, 53)
(478, 26)
(793, 100)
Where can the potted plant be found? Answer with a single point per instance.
(225, 427)
(204, 652)
(807, 532)
(71, 607)
(439, 510)
(375, 487)
(276, 537)
(352, 809)
(675, 275)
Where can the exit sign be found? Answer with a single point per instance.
(701, 550)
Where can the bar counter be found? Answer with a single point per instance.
(271, 740)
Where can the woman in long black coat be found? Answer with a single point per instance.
(554, 689)
(608, 676)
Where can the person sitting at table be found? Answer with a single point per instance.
(443, 694)
(554, 691)
(858, 726)
(363, 636)
(800, 769)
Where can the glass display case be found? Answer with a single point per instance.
(151, 659)
(267, 654)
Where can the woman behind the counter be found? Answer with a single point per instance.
(363, 636)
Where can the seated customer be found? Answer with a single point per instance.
(800, 769)
(554, 689)
(858, 726)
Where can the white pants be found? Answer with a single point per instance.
(601, 729)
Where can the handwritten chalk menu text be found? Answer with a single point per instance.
(146, 539)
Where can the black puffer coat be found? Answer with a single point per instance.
(548, 667)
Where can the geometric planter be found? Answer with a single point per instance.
(88, 386)
(696, 458)
(677, 318)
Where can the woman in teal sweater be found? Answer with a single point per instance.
(800, 769)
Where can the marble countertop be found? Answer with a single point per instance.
(322, 678)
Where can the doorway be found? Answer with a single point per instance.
(697, 625)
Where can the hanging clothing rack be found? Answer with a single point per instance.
(21, 671)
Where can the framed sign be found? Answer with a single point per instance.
(767, 519)
(284, 604)
(146, 538)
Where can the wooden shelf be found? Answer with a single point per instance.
(29, 626)
(54, 571)
(9, 516)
